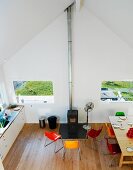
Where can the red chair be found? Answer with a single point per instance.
(53, 136)
(93, 133)
(113, 149)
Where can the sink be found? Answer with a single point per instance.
(6, 119)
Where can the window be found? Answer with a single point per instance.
(3, 96)
(117, 91)
(34, 91)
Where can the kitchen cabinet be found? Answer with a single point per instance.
(19, 122)
(9, 136)
(2, 147)
(1, 165)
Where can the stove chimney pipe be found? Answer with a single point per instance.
(69, 23)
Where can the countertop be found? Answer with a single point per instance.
(11, 118)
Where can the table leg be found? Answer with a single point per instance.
(121, 160)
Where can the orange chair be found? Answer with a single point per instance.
(110, 131)
(71, 144)
(53, 136)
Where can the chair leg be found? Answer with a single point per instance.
(47, 143)
(102, 148)
(94, 144)
(110, 162)
(79, 153)
(59, 148)
(55, 147)
(64, 152)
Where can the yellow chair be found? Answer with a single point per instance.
(71, 144)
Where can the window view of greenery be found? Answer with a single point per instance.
(33, 90)
(117, 91)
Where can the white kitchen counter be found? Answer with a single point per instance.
(11, 131)
(11, 118)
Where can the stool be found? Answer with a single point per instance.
(52, 122)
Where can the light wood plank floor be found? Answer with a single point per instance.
(28, 153)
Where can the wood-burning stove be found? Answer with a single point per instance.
(72, 120)
(72, 117)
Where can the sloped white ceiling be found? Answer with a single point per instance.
(116, 14)
(21, 20)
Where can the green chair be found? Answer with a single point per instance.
(119, 114)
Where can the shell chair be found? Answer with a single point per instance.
(71, 145)
(53, 137)
(93, 134)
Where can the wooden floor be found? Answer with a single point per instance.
(28, 153)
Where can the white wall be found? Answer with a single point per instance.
(43, 58)
(117, 15)
(22, 20)
(98, 54)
